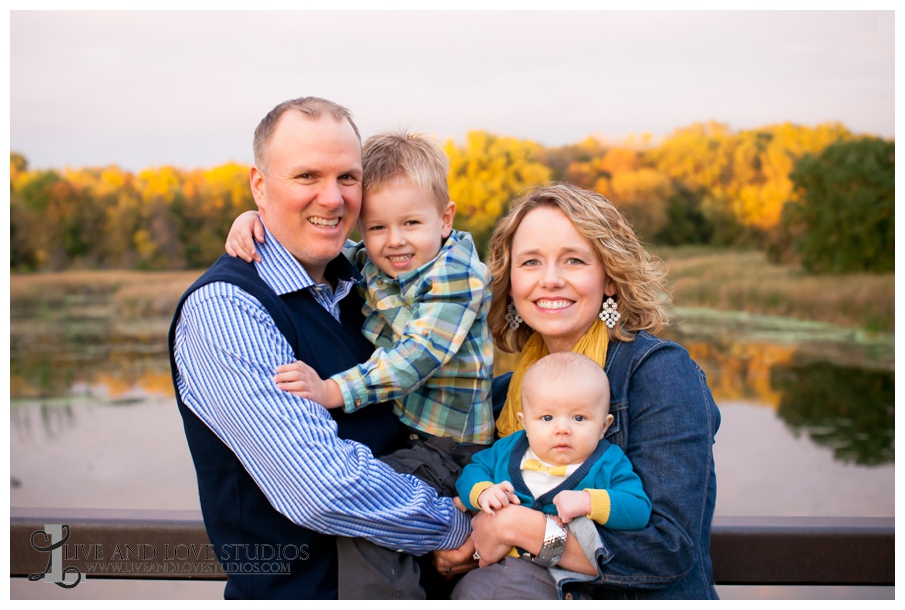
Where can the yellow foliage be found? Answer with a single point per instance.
(160, 183)
(485, 174)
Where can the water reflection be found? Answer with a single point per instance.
(849, 410)
(834, 385)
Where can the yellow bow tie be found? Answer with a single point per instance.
(556, 471)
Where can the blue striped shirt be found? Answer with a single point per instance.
(227, 348)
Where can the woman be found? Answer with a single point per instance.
(557, 258)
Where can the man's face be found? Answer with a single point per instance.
(402, 227)
(310, 196)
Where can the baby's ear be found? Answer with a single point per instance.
(521, 418)
(607, 423)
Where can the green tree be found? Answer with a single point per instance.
(843, 217)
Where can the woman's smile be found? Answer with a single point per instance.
(557, 279)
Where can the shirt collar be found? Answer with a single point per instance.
(285, 274)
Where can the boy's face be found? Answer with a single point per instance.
(402, 227)
(564, 419)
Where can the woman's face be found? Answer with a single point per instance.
(557, 281)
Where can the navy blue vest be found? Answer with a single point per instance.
(236, 512)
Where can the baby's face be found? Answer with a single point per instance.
(402, 227)
(564, 422)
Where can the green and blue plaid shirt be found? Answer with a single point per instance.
(435, 355)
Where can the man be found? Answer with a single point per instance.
(278, 475)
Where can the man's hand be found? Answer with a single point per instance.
(456, 561)
(240, 242)
(498, 496)
(572, 504)
(301, 380)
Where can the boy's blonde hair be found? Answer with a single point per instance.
(566, 366)
(391, 156)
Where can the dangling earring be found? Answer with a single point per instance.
(608, 313)
(512, 316)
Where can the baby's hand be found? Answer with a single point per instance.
(497, 496)
(572, 504)
(240, 242)
(301, 380)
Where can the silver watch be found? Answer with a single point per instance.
(554, 544)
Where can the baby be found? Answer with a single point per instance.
(560, 465)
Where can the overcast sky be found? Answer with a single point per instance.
(141, 89)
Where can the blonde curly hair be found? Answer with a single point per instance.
(639, 277)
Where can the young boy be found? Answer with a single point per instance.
(559, 464)
(426, 300)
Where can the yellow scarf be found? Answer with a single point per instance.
(592, 344)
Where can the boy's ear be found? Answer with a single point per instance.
(449, 214)
(521, 418)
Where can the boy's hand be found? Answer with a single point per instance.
(240, 242)
(498, 496)
(572, 504)
(300, 379)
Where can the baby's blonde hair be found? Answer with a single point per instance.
(565, 366)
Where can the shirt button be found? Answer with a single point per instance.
(425, 332)
(357, 402)
(568, 596)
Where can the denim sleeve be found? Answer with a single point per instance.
(667, 432)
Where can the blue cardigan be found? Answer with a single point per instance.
(606, 468)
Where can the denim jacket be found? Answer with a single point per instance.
(665, 421)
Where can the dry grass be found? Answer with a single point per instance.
(745, 281)
(132, 294)
(729, 280)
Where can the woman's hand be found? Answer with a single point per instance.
(456, 561)
(301, 380)
(495, 535)
(246, 230)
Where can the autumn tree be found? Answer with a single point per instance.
(485, 174)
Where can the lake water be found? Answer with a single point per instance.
(808, 419)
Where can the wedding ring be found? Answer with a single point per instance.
(476, 557)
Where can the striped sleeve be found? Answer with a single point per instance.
(227, 349)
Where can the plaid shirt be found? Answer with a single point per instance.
(435, 355)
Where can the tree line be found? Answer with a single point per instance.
(820, 195)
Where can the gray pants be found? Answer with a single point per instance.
(511, 578)
(368, 571)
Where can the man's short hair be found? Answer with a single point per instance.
(391, 156)
(312, 107)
